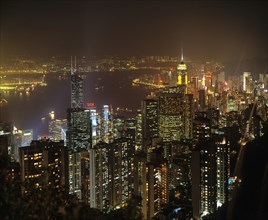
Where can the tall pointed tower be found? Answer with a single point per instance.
(182, 74)
(77, 99)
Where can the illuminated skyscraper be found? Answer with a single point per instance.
(44, 163)
(175, 115)
(247, 82)
(100, 177)
(151, 183)
(182, 75)
(77, 100)
(95, 123)
(170, 115)
(57, 128)
(78, 129)
(26, 137)
(107, 124)
(201, 127)
(119, 159)
(79, 142)
(210, 169)
(138, 133)
(149, 108)
(79, 174)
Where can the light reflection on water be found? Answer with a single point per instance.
(25, 110)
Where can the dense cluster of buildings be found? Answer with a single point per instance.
(178, 153)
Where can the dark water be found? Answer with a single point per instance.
(26, 111)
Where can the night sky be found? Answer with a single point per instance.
(221, 30)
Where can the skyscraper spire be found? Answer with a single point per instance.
(72, 65)
(181, 54)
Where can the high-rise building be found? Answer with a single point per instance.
(119, 159)
(44, 163)
(95, 123)
(247, 82)
(151, 182)
(78, 129)
(8, 130)
(100, 177)
(107, 124)
(188, 115)
(149, 108)
(118, 126)
(175, 115)
(138, 131)
(79, 174)
(210, 169)
(182, 76)
(26, 137)
(202, 127)
(171, 109)
(77, 99)
(57, 128)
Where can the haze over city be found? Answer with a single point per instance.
(220, 30)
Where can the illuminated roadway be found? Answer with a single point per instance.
(138, 82)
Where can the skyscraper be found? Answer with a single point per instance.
(78, 129)
(182, 75)
(44, 163)
(77, 100)
(149, 108)
(170, 114)
(100, 177)
(210, 169)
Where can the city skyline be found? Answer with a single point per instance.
(135, 110)
(221, 30)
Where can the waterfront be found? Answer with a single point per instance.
(31, 110)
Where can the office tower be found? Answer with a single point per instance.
(139, 174)
(78, 143)
(149, 108)
(204, 183)
(95, 123)
(171, 109)
(182, 76)
(118, 126)
(223, 167)
(202, 127)
(100, 177)
(157, 187)
(247, 82)
(121, 187)
(107, 124)
(188, 115)
(57, 128)
(77, 99)
(44, 163)
(8, 130)
(148, 184)
(151, 182)
(210, 170)
(138, 131)
(79, 174)
(214, 115)
(78, 129)
(26, 137)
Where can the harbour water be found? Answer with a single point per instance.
(31, 109)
